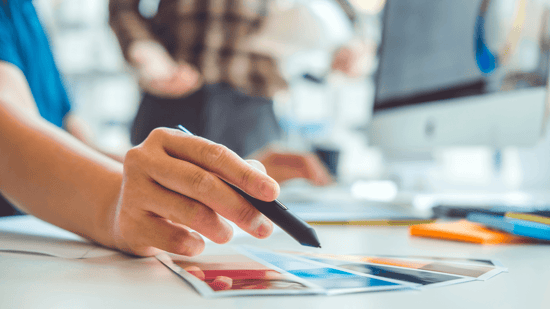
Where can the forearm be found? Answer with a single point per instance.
(128, 24)
(170, 183)
(48, 173)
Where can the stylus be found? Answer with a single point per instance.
(280, 215)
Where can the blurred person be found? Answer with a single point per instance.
(167, 191)
(194, 69)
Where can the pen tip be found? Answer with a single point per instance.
(315, 245)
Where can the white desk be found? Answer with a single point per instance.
(119, 281)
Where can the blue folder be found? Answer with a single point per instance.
(513, 226)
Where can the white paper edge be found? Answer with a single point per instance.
(495, 271)
(496, 263)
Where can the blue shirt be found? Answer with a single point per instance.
(24, 44)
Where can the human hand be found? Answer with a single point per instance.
(352, 60)
(159, 74)
(171, 185)
(283, 166)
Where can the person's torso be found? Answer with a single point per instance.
(212, 35)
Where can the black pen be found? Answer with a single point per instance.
(280, 215)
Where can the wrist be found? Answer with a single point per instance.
(105, 225)
(152, 61)
(140, 51)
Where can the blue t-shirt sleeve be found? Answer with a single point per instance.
(65, 102)
(24, 44)
(8, 49)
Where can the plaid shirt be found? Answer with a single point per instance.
(208, 34)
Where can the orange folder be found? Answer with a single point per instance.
(466, 231)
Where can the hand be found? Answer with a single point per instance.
(159, 74)
(352, 60)
(171, 185)
(283, 166)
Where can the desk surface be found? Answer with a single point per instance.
(118, 281)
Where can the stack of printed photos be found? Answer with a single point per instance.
(253, 271)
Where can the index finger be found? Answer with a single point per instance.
(223, 162)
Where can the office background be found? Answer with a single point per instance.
(105, 94)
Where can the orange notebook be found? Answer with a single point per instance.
(466, 231)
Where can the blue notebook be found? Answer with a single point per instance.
(513, 226)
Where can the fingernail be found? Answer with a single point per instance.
(225, 234)
(257, 165)
(268, 189)
(265, 228)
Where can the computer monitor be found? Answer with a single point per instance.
(461, 73)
